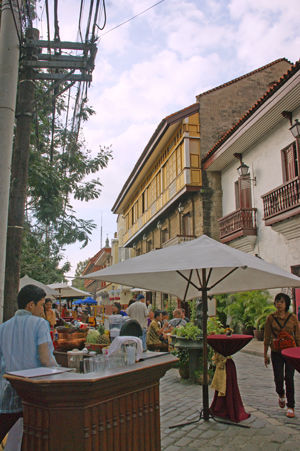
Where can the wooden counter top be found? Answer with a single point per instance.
(115, 410)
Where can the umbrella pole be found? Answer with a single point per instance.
(205, 362)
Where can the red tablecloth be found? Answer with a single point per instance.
(229, 406)
(228, 344)
(292, 355)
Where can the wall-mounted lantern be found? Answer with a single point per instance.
(295, 129)
(243, 169)
(180, 208)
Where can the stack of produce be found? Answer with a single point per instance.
(97, 339)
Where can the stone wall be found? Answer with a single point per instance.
(223, 106)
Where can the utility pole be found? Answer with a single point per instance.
(9, 65)
(19, 173)
(57, 67)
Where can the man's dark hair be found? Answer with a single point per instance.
(30, 293)
(164, 313)
(118, 305)
(48, 300)
(157, 313)
(286, 299)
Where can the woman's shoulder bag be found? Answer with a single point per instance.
(283, 340)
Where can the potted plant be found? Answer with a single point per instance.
(183, 362)
(245, 308)
(189, 336)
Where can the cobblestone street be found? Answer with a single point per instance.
(269, 428)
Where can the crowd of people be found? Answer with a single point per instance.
(155, 324)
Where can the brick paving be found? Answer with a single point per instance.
(269, 428)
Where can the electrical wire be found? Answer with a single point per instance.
(89, 21)
(28, 13)
(79, 21)
(104, 20)
(126, 21)
(56, 27)
(20, 21)
(95, 20)
(48, 26)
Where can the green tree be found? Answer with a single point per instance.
(61, 168)
(77, 282)
(40, 260)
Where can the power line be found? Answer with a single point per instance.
(128, 20)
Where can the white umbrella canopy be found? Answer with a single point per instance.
(66, 291)
(168, 270)
(200, 267)
(26, 280)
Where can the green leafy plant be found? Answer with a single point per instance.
(183, 356)
(171, 307)
(214, 326)
(189, 331)
(245, 308)
(261, 320)
(193, 309)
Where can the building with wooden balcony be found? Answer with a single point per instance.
(258, 160)
(100, 260)
(168, 198)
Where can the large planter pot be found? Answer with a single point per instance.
(194, 348)
(259, 334)
(184, 372)
(182, 342)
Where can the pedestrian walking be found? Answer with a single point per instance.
(282, 331)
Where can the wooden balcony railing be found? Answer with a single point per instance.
(237, 224)
(282, 199)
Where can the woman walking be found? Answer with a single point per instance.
(282, 330)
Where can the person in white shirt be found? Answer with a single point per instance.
(139, 312)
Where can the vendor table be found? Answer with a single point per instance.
(117, 410)
(292, 355)
(229, 406)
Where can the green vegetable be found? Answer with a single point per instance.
(92, 336)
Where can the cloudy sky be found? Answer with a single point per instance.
(156, 64)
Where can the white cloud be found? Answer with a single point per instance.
(157, 63)
(266, 30)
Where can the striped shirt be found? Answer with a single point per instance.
(19, 340)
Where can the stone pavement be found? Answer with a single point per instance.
(269, 428)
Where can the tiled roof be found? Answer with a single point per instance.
(254, 107)
(93, 259)
(224, 85)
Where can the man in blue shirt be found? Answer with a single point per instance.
(25, 343)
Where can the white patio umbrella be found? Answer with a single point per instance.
(67, 291)
(198, 268)
(26, 280)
